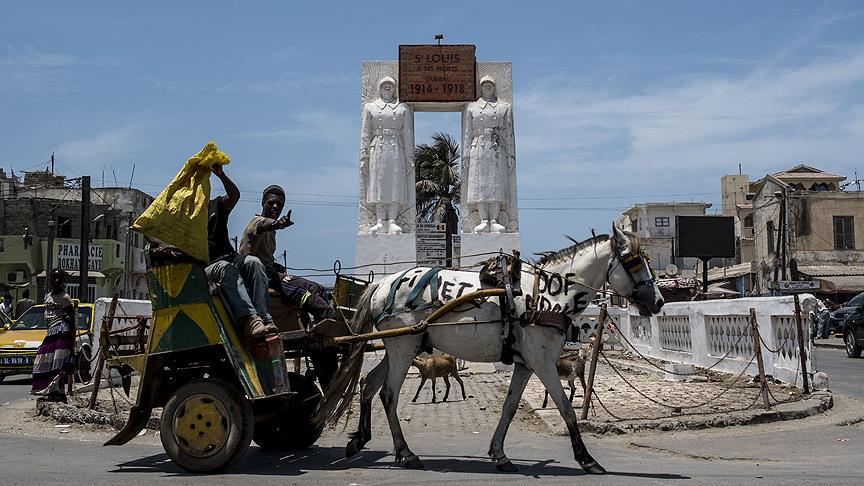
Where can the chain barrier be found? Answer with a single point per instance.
(681, 407)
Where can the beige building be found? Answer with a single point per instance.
(654, 223)
(822, 238)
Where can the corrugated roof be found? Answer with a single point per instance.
(724, 273)
(831, 270)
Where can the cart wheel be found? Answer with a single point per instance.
(207, 425)
(293, 428)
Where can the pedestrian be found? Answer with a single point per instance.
(6, 304)
(54, 357)
(24, 304)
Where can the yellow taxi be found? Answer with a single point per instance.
(20, 339)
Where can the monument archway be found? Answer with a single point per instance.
(387, 133)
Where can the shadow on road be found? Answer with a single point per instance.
(297, 463)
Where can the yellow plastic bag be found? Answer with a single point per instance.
(178, 216)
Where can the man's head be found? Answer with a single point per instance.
(26, 293)
(272, 202)
(58, 279)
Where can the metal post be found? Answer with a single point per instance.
(595, 353)
(49, 258)
(704, 275)
(763, 383)
(801, 351)
(104, 331)
(84, 246)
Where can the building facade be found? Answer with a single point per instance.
(805, 227)
(115, 258)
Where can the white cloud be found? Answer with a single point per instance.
(102, 147)
(329, 127)
(770, 119)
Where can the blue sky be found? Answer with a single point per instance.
(615, 102)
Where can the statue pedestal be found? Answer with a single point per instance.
(473, 244)
(385, 254)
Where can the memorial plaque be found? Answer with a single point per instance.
(437, 73)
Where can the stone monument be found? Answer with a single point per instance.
(387, 213)
(386, 240)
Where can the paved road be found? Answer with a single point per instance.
(771, 454)
(14, 388)
(845, 375)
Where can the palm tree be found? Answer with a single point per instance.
(439, 185)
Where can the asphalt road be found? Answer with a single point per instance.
(810, 451)
(845, 375)
(14, 388)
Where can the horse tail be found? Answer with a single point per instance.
(340, 393)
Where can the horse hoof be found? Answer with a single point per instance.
(413, 462)
(593, 468)
(506, 466)
(351, 449)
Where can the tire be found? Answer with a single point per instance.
(293, 428)
(207, 425)
(853, 349)
(83, 367)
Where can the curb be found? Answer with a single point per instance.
(817, 403)
(829, 344)
(70, 414)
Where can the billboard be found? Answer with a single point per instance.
(705, 236)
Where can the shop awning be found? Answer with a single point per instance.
(842, 283)
(74, 273)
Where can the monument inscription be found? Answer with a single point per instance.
(433, 73)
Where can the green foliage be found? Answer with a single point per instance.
(438, 184)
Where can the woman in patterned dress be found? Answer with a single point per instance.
(54, 357)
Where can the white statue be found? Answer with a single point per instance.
(489, 155)
(386, 157)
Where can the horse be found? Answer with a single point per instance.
(566, 282)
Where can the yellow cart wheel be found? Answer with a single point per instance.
(207, 425)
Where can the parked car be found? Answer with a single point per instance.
(838, 317)
(19, 340)
(853, 332)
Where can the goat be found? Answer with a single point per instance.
(433, 367)
(570, 365)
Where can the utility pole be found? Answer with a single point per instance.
(127, 265)
(783, 233)
(49, 257)
(84, 250)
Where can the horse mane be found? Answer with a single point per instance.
(548, 257)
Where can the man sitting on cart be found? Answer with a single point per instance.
(259, 240)
(243, 278)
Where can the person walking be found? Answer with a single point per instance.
(54, 357)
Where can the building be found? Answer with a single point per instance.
(654, 223)
(27, 209)
(799, 224)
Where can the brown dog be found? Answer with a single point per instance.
(433, 367)
(570, 365)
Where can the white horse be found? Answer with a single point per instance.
(474, 331)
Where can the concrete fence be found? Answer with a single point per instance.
(703, 332)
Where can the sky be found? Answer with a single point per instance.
(615, 102)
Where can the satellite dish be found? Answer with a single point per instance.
(671, 269)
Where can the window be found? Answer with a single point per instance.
(748, 221)
(661, 221)
(634, 226)
(844, 233)
(769, 229)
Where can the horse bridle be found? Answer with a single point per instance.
(633, 263)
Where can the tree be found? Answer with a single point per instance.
(438, 185)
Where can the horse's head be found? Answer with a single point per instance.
(630, 273)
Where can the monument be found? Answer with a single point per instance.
(442, 78)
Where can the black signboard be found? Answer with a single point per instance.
(705, 236)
